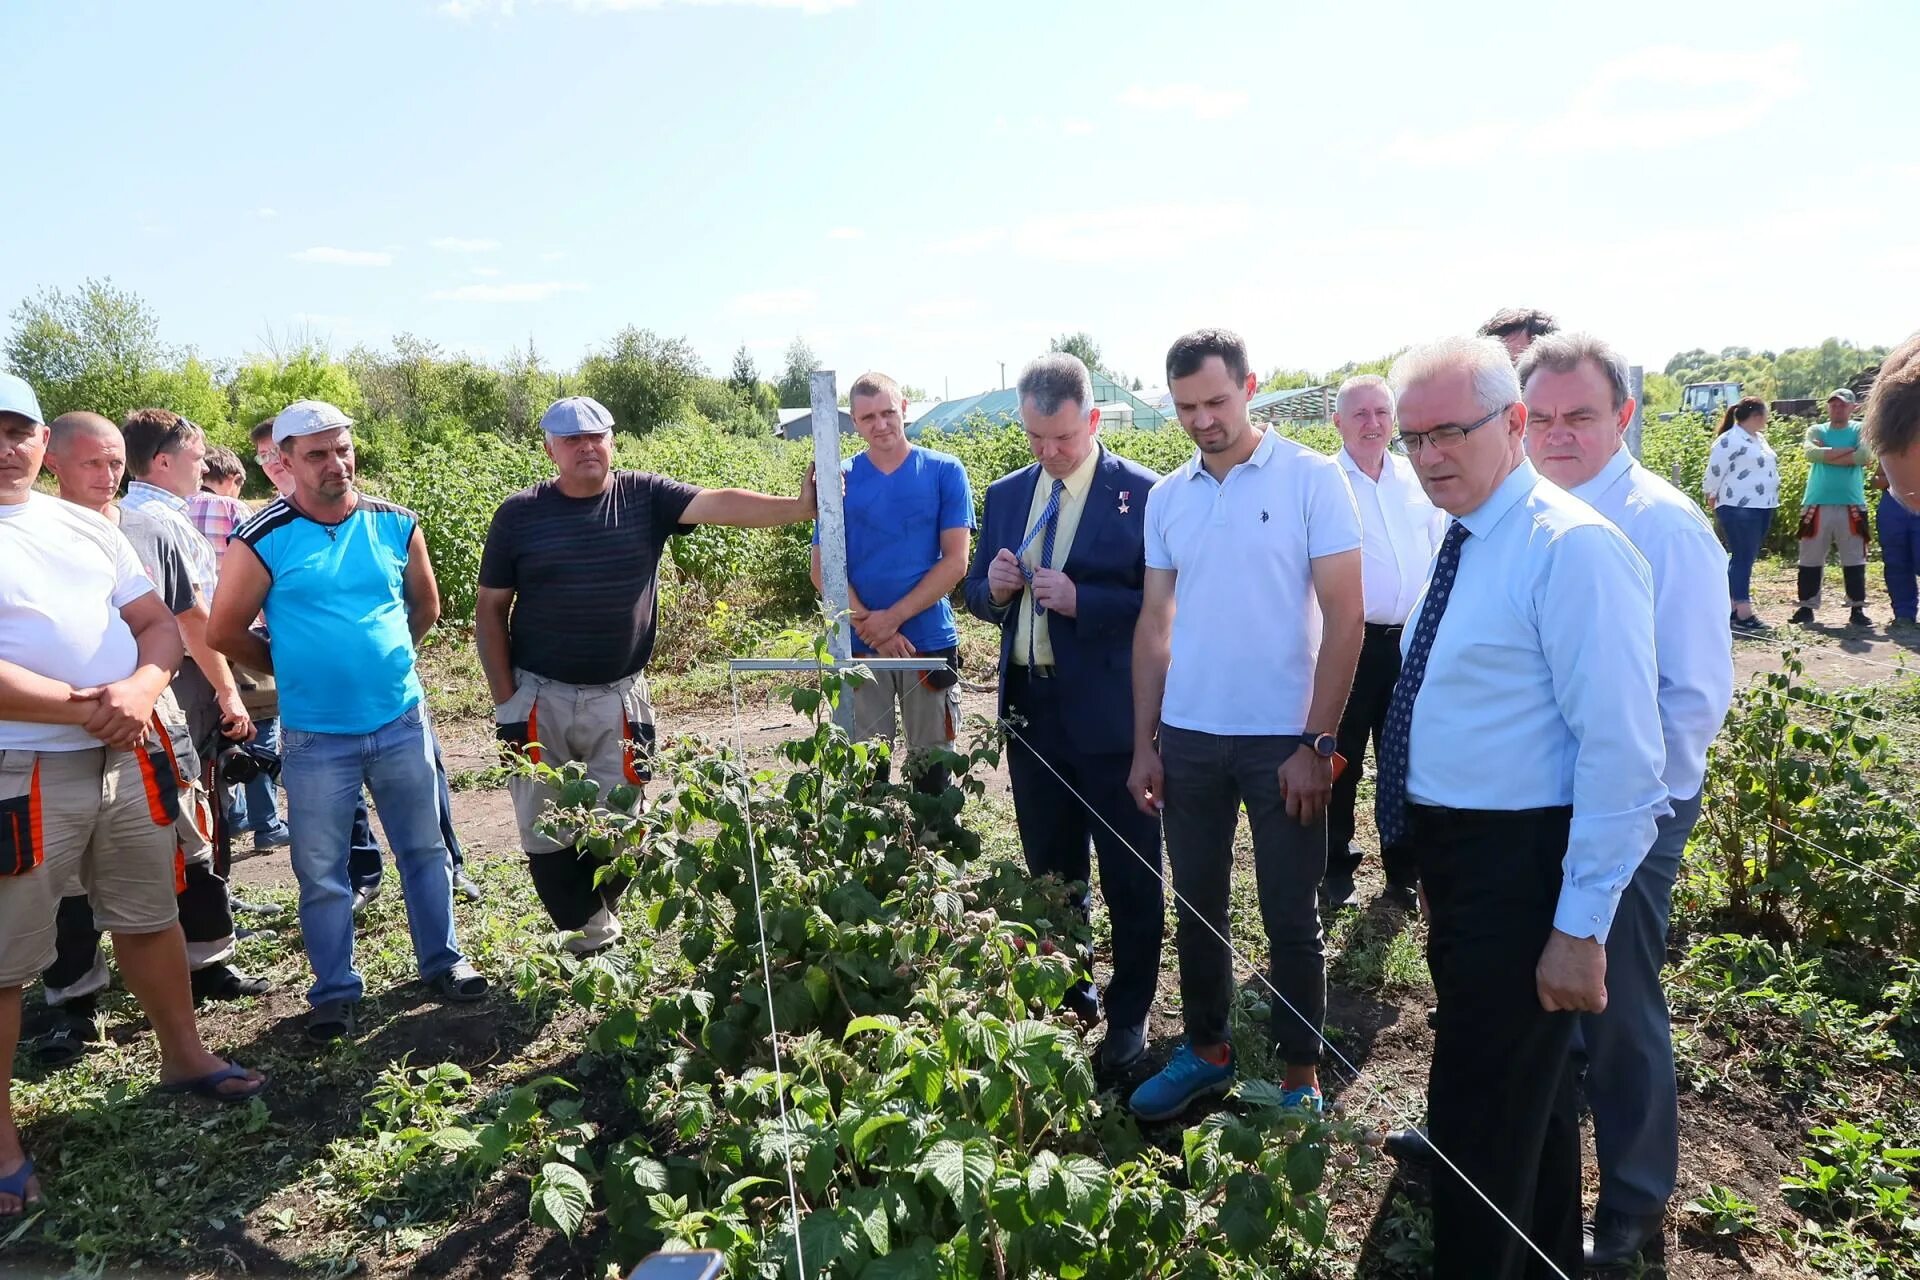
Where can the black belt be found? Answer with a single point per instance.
(1385, 628)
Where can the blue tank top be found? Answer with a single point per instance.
(337, 614)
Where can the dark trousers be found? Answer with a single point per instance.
(1055, 828)
(364, 867)
(1900, 557)
(1365, 718)
(1628, 1048)
(1207, 777)
(1500, 1089)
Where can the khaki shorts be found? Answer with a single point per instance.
(930, 716)
(100, 822)
(606, 727)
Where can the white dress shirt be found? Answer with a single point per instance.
(1693, 646)
(1400, 532)
(1541, 688)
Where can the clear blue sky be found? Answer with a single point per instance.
(932, 188)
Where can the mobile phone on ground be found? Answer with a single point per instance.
(700, 1264)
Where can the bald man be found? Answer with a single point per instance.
(87, 456)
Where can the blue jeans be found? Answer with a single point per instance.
(1745, 531)
(322, 776)
(1900, 556)
(1629, 1048)
(254, 806)
(364, 868)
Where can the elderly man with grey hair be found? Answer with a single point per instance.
(1522, 763)
(1578, 406)
(1059, 569)
(1400, 531)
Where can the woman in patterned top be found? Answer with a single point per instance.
(1743, 489)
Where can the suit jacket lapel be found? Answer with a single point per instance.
(1101, 503)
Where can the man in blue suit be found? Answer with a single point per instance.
(1059, 566)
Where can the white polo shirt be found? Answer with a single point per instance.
(1246, 625)
(1402, 531)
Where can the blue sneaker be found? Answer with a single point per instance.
(1306, 1097)
(1181, 1082)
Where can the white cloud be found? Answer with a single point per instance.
(527, 292)
(1658, 97)
(847, 233)
(774, 302)
(456, 244)
(1075, 127)
(1198, 102)
(345, 257)
(969, 241)
(486, 272)
(553, 255)
(266, 212)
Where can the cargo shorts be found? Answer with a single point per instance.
(97, 821)
(606, 727)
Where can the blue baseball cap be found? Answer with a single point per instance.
(576, 416)
(17, 397)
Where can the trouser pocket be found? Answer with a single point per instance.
(21, 847)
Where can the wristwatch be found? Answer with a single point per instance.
(1321, 744)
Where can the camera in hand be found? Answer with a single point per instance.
(244, 761)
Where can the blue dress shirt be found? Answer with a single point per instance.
(1541, 688)
(1693, 646)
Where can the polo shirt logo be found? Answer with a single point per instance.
(1263, 517)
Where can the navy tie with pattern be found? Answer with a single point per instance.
(1390, 796)
(1050, 519)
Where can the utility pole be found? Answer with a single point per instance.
(1003, 375)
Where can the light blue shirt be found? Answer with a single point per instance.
(1246, 623)
(170, 509)
(1693, 646)
(1541, 689)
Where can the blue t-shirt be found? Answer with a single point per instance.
(894, 524)
(337, 614)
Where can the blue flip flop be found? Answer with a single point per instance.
(208, 1086)
(15, 1185)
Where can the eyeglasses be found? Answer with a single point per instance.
(1445, 437)
(266, 457)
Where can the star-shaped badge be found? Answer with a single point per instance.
(1124, 508)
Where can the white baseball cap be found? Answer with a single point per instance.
(306, 418)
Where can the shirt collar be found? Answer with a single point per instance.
(1080, 479)
(1262, 452)
(1618, 465)
(150, 493)
(1353, 468)
(1519, 483)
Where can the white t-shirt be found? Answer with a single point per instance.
(68, 574)
(1246, 624)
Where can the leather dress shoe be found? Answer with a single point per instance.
(1410, 1146)
(1122, 1049)
(1616, 1239)
(364, 898)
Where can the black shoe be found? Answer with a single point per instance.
(1336, 891)
(1803, 616)
(364, 898)
(334, 1020)
(1122, 1049)
(67, 1040)
(259, 910)
(224, 982)
(1750, 624)
(1402, 894)
(242, 934)
(1410, 1146)
(464, 887)
(1620, 1239)
(1857, 617)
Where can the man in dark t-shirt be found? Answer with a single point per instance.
(568, 605)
